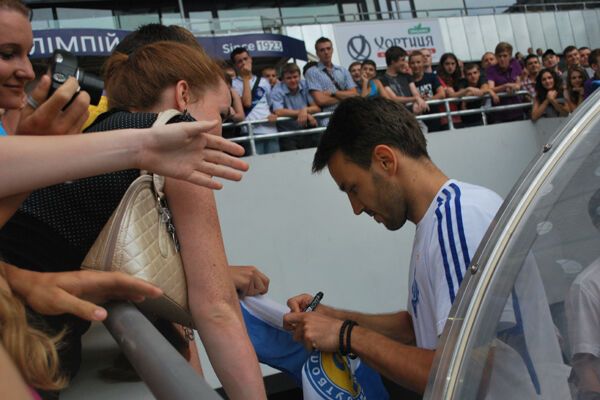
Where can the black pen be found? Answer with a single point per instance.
(315, 302)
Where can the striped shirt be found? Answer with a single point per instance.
(445, 240)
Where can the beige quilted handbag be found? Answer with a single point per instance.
(139, 239)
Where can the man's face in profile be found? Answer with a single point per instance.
(370, 191)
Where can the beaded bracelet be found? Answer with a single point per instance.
(342, 349)
(351, 325)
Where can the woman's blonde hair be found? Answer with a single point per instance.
(32, 351)
(137, 81)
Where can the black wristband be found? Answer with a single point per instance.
(348, 348)
(342, 348)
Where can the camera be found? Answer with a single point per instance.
(63, 65)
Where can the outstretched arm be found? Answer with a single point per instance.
(180, 150)
(75, 292)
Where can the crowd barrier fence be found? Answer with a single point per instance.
(485, 109)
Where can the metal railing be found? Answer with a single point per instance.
(166, 373)
(448, 113)
(227, 25)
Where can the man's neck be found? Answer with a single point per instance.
(418, 76)
(391, 71)
(422, 180)
(328, 65)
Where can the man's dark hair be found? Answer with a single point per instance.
(359, 124)
(594, 57)
(290, 68)
(583, 48)
(354, 63)
(393, 53)
(503, 47)
(308, 66)
(530, 56)
(471, 66)
(151, 33)
(236, 51)
(369, 62)
(320, 40)
(569, 49)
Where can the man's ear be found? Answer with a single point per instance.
(182, 95)
(385, 159)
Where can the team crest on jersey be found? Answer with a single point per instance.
(415, 297)
(260, 92)
(330, 376)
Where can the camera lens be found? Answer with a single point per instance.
(91, 84)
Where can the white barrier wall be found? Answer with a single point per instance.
(300, 230)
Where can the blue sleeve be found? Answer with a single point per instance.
(277, 98)
(348, 81)
(312, 80)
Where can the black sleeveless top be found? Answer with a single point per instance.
(56, 226)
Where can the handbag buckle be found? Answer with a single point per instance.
(167, 219)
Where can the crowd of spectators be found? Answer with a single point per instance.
(555, 86)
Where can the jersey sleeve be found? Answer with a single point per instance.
(459, 227)
(237, 85)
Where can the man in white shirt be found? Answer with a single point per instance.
(256, 99)
(383, 166)
(582, 307)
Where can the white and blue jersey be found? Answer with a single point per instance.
(445, 240)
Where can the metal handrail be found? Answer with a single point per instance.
(279, 21)
(251, 137)
(166, 373)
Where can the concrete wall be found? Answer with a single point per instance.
(299, 228)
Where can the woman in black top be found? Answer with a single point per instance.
(549, 100)
(56, 226)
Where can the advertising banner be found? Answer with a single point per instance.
(369, 40)
(101, 42)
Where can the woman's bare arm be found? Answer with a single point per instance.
(178, 150)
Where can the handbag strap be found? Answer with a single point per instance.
(159, 181)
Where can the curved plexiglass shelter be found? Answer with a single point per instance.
(526, 323)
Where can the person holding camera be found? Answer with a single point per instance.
(62, 113)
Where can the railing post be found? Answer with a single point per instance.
(450, 122)
(251, 136)
(166, 373)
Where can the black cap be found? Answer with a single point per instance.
(549, 52)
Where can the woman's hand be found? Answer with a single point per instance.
(248, 280)
(51, 117)
(185, 151)
(76, 292)
(552, 94)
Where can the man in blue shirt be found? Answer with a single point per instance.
(255, 92)
(328, 83)
(291, 98)
(594, 82)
